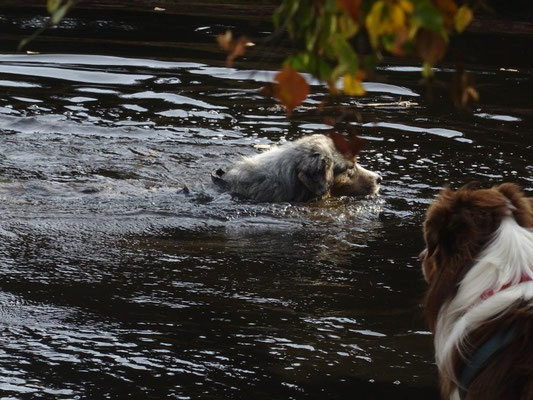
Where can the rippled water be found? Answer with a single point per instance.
(117, 283)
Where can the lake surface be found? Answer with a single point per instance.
(116, 283)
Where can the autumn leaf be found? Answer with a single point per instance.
(350, 147)
(291, 88)
(268, 90)
(332, 87)
(388, 18)
(373, 22)
(239, 49)
(463, 18)
(430, 46)
(351, 7)
(347, 27)
(225, 39)
(406, 5)
(463, 92)
(448, 11)
(400, 39)
(353, 85)
(235, 48)
(395, 20)
(334, 35)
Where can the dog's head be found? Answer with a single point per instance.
(356, 181)
(458, 226)
(323, 167)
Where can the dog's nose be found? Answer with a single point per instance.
(379, 179)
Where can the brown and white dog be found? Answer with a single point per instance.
(478, 262)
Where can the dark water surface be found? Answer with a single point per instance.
(115, 283)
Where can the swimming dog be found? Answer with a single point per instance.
(306, 169)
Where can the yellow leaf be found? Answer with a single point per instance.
(406, 5)
(396, 18)
(463, 18)
(413, 30)
(373, 22)
(353, 85)
(52, 5)
(347, 26)
(427, 70)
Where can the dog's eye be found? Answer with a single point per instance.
(353, 172)
(339, 169)
(342, 166)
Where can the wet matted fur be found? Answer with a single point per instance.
(478, 262)
(306, 169)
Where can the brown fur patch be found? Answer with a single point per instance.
(458, 226)
(355, 181)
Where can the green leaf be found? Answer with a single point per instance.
(299, 62)
(305, 14)
(53, 5)
(324, 69)
(427, 15)
(286, 12)
(388, 42)
(333, 25)
(347, 27)
(293, 7)
(371, 62)
(278, 15)
(331, 6)
(427, 70)
(348, 61)
(58, 15)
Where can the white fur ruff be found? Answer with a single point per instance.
(505, 261)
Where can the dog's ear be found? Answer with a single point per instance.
(435, 219)
(316, 173)
(446, 224)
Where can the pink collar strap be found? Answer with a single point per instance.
(491, 292)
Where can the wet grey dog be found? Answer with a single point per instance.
(306, 169)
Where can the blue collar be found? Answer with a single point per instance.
(481, 356)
